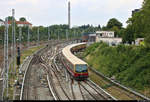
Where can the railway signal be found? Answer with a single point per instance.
(18, 57)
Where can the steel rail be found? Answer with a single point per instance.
(98, 87)
(22, 88)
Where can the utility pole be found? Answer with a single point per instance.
(28, 37)
(38, 31)
(6, 66)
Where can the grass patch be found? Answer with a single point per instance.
(29, 52)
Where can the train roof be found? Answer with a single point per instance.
(72, 58)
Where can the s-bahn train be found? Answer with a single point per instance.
(75, 66)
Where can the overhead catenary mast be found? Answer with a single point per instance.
(13, 41)
(6, 66)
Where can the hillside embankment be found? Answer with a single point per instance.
(129, 65)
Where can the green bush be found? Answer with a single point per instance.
(129, 64)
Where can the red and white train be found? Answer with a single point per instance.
(75, 66)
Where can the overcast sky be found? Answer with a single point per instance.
(49, 12)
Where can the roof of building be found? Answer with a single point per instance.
(72, 58)
(92, 34)
(104, 31)
(20, 22)
(87, 34)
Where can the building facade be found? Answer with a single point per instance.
(139, 41)
(22, 24)
(105, 34)
(107, 37)
(92, 37)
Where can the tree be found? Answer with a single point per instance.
(116, 30)
(99, 26)
(1, 34)
(128, 35)
(114, 22)
(139, 23)
(1, 20)
(22, 19)
(104, 28)
(9, 18)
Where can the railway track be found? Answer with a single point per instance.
(125, 92)
(80, 90)
(53, 78)
(35, 84)
(46, 72)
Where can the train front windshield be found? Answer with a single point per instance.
(81, 68)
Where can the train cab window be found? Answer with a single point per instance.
(81, 68)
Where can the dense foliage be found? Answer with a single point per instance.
(22, 19)
(139, 24)
(129, 64)
(55, 31)
(114, 25)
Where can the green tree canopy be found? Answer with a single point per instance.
(22, 19)
(114, 22)
(1, 20)
(9, 18)
(139, 23)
